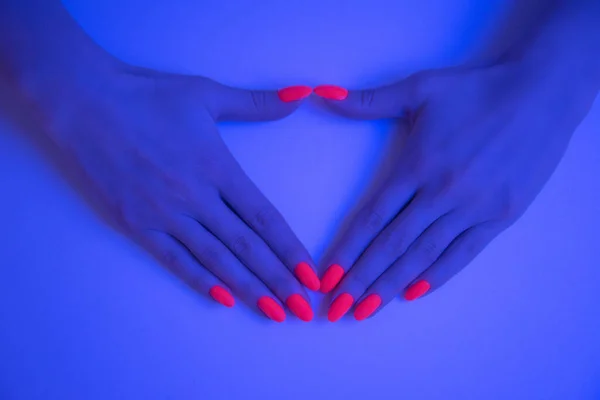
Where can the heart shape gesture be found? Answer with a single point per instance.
(477, 146)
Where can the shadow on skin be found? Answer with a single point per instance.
(363, 191)
(25, 123)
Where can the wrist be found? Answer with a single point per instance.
(566, 46)
(47, 61)
(562, 57)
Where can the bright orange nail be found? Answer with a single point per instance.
(307, 276)
(339, 307)
(271, 309)
(331, 92)
(294, 93)
(221, 295)
(300, 307)
(367, 307)
(417, 290)
(332, 277)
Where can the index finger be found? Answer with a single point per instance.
(246, 200)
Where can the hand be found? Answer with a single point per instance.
(148, 144)
(479, 147)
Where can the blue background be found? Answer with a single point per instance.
(84, 314)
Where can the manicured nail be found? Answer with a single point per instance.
(367, 307)
(271, 309)
(332, 277)
(307, 276)
(294, 93)
(331, 92)
(417, 290)
(300, 307)
(339, 307)
(221, 295)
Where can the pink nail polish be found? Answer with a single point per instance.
(331, 92)
(339, 307)
(294, 93)
(271, 309)
(221, 295)
(300, 307)
(307, 276)
(417, 290)
(332, 277)
(366, 307)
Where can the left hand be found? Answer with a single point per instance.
(480, 146)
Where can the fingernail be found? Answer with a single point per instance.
(332, 277)
(300, 307)
(294, 93)
(221, 295)
(331, 92)
(417, 290)
(367, 307)
(339, 307)
(271, 309)
(307, 276)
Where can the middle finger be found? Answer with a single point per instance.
(256, 255)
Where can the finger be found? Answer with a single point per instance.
(250, 204)
(391, 243)
(362, 230)
(458, 255)
(221, 262)
(256, 255)
(173, 255)
(391, 101)
(420, 255)
(232, 104)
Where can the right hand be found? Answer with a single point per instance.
(148, 144)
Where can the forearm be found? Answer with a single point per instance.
(43, 49)
(548, 34)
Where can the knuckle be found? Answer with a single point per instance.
(392, 242)
(264, 219)
(241, 245)
(509, 209)
(290, 253)
(429, 250)
(259, 99)
(418, 162)
(367, 97)
(419, 83)
(358, 280)
(471, 247)
(372, 219)
(447, 183)
(123, 215)
(509, 213)
(209, 165)
(209, 256)
(171, 259)
(198, 283)
(279, 283)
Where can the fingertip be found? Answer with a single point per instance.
(271, 309)
(417, 290)
(331, 278)
(365, 308)
(300, 307)
(331, 92)
(307, 276)
(222, 295)
(340, 307)
(294, 93)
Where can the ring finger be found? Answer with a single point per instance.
(421, 254)
(253, 252)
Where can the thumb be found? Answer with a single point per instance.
(233, 104)
(391, 101)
